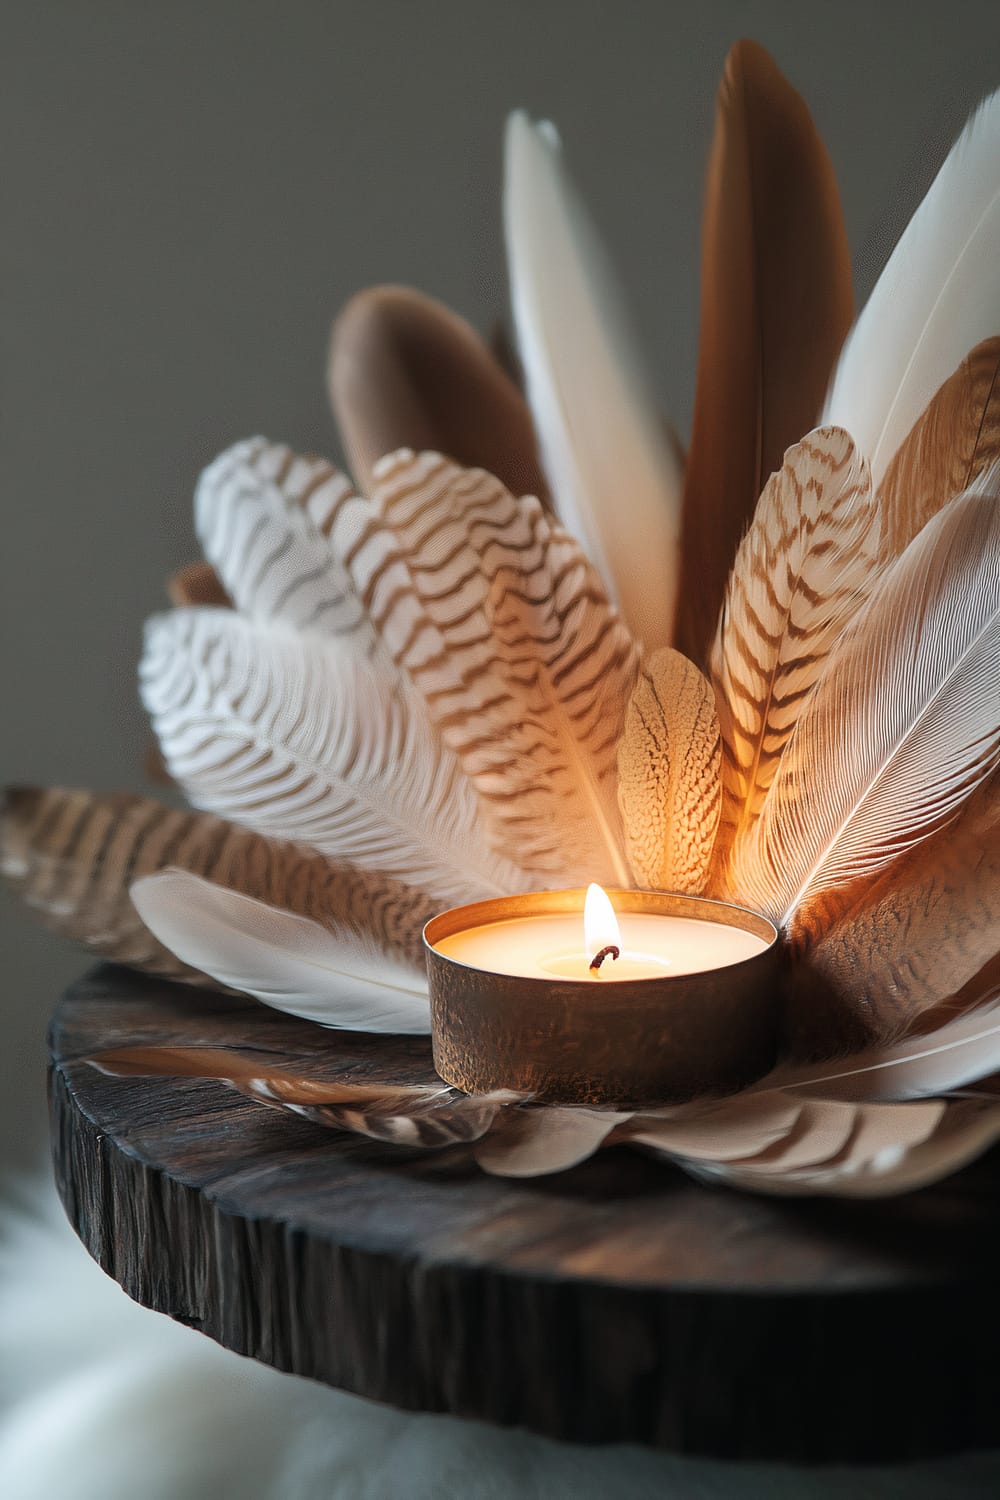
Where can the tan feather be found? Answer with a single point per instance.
(668, 775)
(956, 439)
(903, 726)
(803, 570)
(926, 929)
(197, 584)
(72, 856)
(405, 372)
(775, 263)
(507, 631)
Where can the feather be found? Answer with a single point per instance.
(776, 303)
(937, 297)
(264, 516)
(197, 583)
(801, 573)
(900, 730)
(297, 740)
(429, 1116)
(72, 856)
(600, 432)
(535, 1142)
(716, 1129)
(668, 775)
(406, 372)
(928, 927)
(336, 976)
(504, 627)
(955, 440)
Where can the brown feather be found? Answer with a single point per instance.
(776, 304)
(405, 372)
(925, 934)
(668, 775)
(72, 856)
(198, 583)
(955, 440)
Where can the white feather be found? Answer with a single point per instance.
(613, 472)
(299, 739)
(958, 1053)
(338, 979)
(900, 729)
(938, 296)
(263, 516)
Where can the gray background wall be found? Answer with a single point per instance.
(191, 189)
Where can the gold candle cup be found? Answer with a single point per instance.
(659, 1040)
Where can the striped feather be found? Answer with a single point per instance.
(197, 583)
(507, 632)
(289, 736)
(264, 516)
(955, 440)
(903, 726)
(72, 856)
(802, 571)
(668, 775)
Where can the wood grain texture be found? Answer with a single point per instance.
(776, 304)
(669, 783)
(406, 372)
(618, 1301)
(955, 440)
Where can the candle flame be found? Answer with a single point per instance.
(600, 925)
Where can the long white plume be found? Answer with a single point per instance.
(902, 726)
(298, 738)
(614, 475)
(938, 297)
(339, 978)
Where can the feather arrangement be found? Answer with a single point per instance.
(937, 299)
(600, 433)
(774, 261)
(388, 699)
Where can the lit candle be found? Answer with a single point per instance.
(654, 997)
(643, 945)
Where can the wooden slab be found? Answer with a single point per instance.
(617, 1302)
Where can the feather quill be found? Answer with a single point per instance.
(668, 775)
(775, 263)
(955, 440)
(264, 516)
(406, 372)
(72, 856)
(336, 976)
(937, 297)
(803, 570)
(505, 629)
(298, 740)
(902, 727)
(601, 436)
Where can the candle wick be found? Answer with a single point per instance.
(609, 952)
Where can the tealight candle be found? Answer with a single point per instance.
(649, 997)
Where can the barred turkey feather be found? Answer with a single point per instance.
(298, 739)
(805, 567)
(72, 856)
(668, 775)
(505, 629)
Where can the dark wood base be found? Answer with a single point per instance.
(617, 1302)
